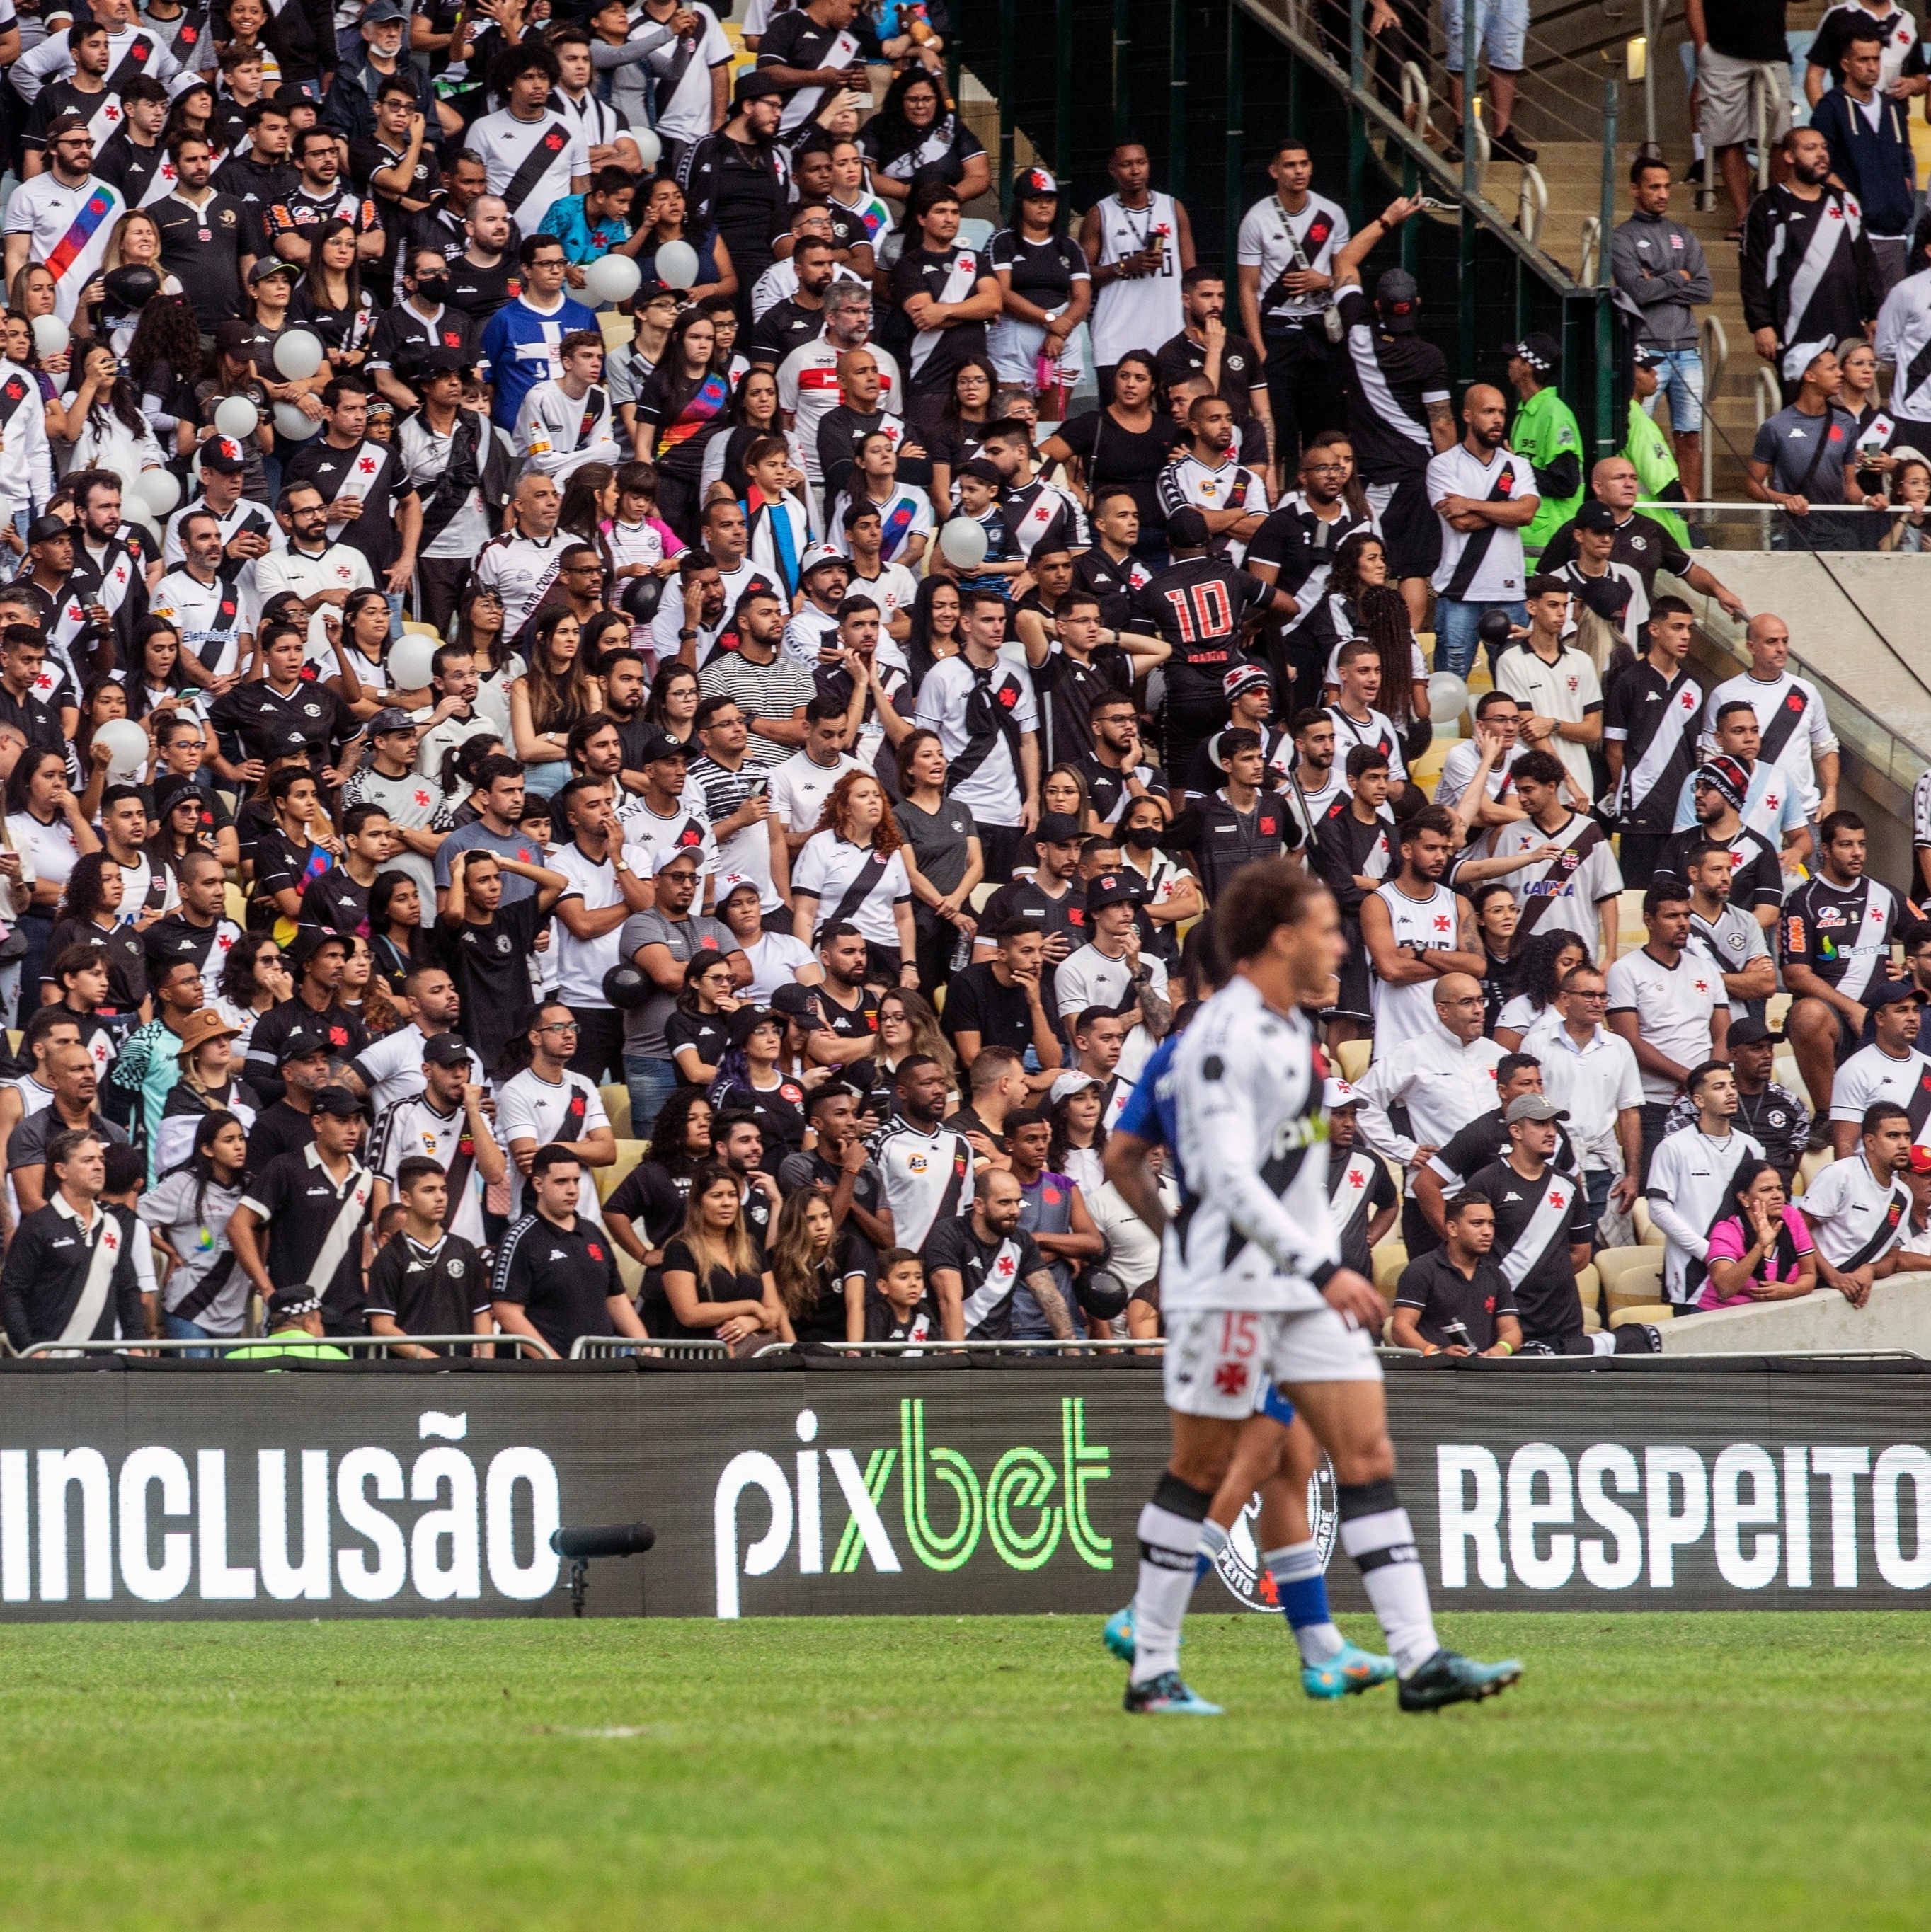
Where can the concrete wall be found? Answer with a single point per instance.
(1898, 1315)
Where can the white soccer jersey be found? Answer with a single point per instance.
(412, 802)
(529, 1108)
(1791, 716)
(1871, 1075)
(521, 570)
(1227, 485)
(830, 867)
(1458, 773)
(26, 458)
(1672, 1006)
(682, 68)
(1256, 1231)
(1146, 311)
(558, 434)
(1568, 690)
(1428, 925)
(928, 1177)
(68, 229)
(529, 163)
(808, 391)
(212, 618)
(800, 786)
(992, 792)
(893, 589)
(1482, 566)
(1571, 888)
(246, 515)
(645, 832)
(581, 963)
(903, 515)
(1688, 1193)
(1853, 1215)
(131, 50)
(1377, 730)
(779, 283)
(412, 1129)
(1274, 241)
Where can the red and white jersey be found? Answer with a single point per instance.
(808, 391)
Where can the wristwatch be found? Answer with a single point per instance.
(683, 636)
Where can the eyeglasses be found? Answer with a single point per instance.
(559, 1026)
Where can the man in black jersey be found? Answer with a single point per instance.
(264, 175)
(1200, 606)
(132, 157)
(737, 181)
(1400, 411)
(1643, 544)
(556, 1274)
(798, 318)
(1110, 570)
(1237, 824)
(1650, 722)
(1076, 660)
(1228, 364)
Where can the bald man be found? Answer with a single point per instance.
(1485, 497)
(1445, 1077)
(1796, 732)
(1641, 542)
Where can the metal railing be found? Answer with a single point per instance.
(1054, 1346)
(378, 1346)
(601, 1348)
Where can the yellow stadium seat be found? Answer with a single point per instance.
(1636, 1279)
(13, 1038)
(1390, 1258)
(981, 893)
(1785, 1072)
(421, 630)
(628, 1153)
(630, 1271)
(1776, 1009)
(1812, 1164)
(1351, 1056)
(234, 905)
(1589, 1286)
(616, 1098)
(1651, 1312)
(1648, 1233)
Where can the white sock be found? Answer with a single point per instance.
(1212, 1546)
(1295, 1568)
(1168, 1543)
(1381, 1543)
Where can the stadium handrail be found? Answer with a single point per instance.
(379, 1345)
(600, 1348)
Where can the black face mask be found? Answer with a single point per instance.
(433, 288)
(1143, 837)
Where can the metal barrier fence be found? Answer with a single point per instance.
(377, 1346)
(1054, 1346)
(600, 1348)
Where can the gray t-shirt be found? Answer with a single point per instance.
(27, 1144)
(643, 1026)
(518, 845)
(1788, 442)
(939, 842)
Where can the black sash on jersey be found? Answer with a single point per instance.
(684, 51)
(211, 648)
(986, 722)
(135, 62)
(595, 404)
(540, 158)
(1880, 1238)
(1777, 732)
(202, 1295)
(860, 888)
(1561, 868)
(13, 393)
(460, 476)
(571, 1125)
(1473, 552)
(1918, 1107)
(458, 1173)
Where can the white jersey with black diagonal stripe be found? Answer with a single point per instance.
(1255, 1230)
(928, 1177)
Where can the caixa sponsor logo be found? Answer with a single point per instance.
(320, 1529)
(1028, 1506)
(1754, 1508)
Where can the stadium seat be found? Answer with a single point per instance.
(1630, 1277)
(616, 1097)
(1588, 1287)
(410, 624)
(1648, 1233)
(1812, 1164)
(1351, 1057)
(1651, 1312)
(630, 1271)
(1390, 1258)
(628, 1153)
(1776, 1009)
(981, 893)
(234, 905)
(1784, 1071)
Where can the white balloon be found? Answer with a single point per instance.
(126, 745)
(299, 354)
(1448, 697)
(677, 264)
(612, 278)
(50, 335)
(159, 490)
(648, 145)
(409, 659)
(237, 417)
(963, 543)
(292, 425)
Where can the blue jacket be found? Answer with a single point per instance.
(1875, 163)
(518, 348)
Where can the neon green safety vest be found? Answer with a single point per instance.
(1544, 428)
(1648, 451)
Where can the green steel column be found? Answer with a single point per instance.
(1062, 92)
(1122, 48)
(1470, 188)
(1606, 440)
(1008, 85)
(1357, 122)
(1176, 97)
(1236, 108)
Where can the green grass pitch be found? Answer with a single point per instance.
(1760, 1772)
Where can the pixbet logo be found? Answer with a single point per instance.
(1026, 1508)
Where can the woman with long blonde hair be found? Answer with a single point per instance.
(852, 865)
(819, 1285)
(711, 1286)
(909, 1028)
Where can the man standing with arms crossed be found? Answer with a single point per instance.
(1253, 1297)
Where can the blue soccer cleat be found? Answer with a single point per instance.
(1118, 1634)
(1350, 1671)
(1166, 1696)
(1448, 1678)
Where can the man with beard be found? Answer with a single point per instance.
(107, 576)
(738, 179)
(1485, 497)
(1415, 930)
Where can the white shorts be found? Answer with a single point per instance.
(1219, 1362)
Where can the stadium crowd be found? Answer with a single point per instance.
(701, 822)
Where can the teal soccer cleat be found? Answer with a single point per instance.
(1448, 1678)
(1166, 1696)
(1118, 1634)
(1350, 1671)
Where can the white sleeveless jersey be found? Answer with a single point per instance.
(1145, 312)
(1408, 1012)
(1255, 1230)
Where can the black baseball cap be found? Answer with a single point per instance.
(1398, 296)
(446, 1049)
(1597, 517)
(1111, 889)
(795, 1002)
(48, 529)
(1187, 529)
(1057, 828)
(272, 265)
(338, 1101)
(1753, 1033)
(446, 362)
(661, 745)
(299, 1045)
(1888, 992)
(223, 455)
(309, 940)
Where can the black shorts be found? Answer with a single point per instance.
(1411, 532)
(1356, 1000)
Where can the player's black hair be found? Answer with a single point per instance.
(1364, 759)
(1692, 1081)
(1511, 1064)
(1538, 767)
(1874, 1116)
(1665, 891)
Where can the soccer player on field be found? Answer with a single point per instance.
(1254, 1296)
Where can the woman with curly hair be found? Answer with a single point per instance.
(1541, 962)
(1361, 602)
(365, 993)
(164, 363)
(647, 1207)
(557, 692)
(815, 1269)
(90, 915)
(104, 422)
(851, 870)
(253, 978)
